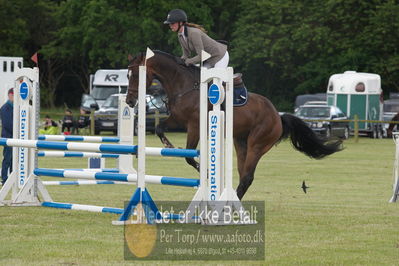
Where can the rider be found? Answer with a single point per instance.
(193, 39)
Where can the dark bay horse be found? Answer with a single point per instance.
(257, 125)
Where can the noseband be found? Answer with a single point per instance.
(174, 97)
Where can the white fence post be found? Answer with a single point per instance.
(395, 169)
(25, 186)
(216, 191)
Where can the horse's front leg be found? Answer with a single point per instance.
(192, 143)
(160, 131)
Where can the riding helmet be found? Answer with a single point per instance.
(176, 15)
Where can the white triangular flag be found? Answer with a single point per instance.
(149, 54)
(204, 55)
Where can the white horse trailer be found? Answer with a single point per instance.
(358, 94)
(8, 67)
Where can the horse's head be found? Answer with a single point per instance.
(175, 76)
(133, 77)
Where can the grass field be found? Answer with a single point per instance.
(344, 219)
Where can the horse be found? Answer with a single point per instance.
(257, 125)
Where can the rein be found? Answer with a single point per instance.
(173, 97)
(184, 93)
(195, 87)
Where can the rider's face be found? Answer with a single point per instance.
(174, 26)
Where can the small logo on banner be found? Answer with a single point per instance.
(126, 113)
(24, 90)
(215, 94)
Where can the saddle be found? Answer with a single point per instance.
(240, 91)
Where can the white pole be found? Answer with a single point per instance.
(125, 130)
(215, 140)
(229, 130)
(203, 136)
(395, 169)
(141, 128)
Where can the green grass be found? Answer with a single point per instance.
(344, 219)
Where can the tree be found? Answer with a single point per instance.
(25, 24)
(296, 46)
(13, 31)
(284, 47)
(381, 38)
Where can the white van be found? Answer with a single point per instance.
(106, 82)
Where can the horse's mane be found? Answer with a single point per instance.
(173, 57)
(191, 68)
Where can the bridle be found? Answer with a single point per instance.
(173, 97)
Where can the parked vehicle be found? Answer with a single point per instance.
(106, 82)
(154, 103)
(394, 95)
(390, 109)
(88, 103)
(335, 127)
(316, 103)
(305, 98)
(358, 94)
(106, 118)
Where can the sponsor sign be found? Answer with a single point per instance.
(24, 90)
(215, 94)
(23, 153)
(215, 149)
(126, 113)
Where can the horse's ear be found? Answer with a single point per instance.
(130, 57)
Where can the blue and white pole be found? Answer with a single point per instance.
(151, 179)
(76, 154)
(82, 182)
(96, 147)
(78, 138)
(92, 208)
(96, 170)
(81, 207)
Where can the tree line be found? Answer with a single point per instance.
(283, 47)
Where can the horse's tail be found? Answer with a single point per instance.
(305, 140)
